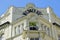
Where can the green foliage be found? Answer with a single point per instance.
(32, 23)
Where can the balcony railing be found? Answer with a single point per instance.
(33, 33)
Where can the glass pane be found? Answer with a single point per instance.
(18, 29)
(42, 26)
(1, 37)
(15, 30)
(48, 30)
(59, 37)
(36, 38)
(31, 38)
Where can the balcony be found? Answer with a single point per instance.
(33, 33)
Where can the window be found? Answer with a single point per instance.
(2, 37)
(32, 26)
(45, 28)
(31, 38)
(58, 37)
(22, 24)
(42, 27)
(21, 29)
(34, 38)
(48, 31)
(17, 30)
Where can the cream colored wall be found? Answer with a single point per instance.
(7, 32)
(7, 17)
(17, 13)
(57, 31)
(18, 38)
(16, 25)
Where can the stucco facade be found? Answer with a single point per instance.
(29, 23)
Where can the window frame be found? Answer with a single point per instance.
(58, 37)
(34, 38)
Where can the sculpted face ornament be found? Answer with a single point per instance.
(32, 10)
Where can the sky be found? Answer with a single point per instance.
(54, 4)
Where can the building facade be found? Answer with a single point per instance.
(29, 23)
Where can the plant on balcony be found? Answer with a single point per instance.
(32, 23)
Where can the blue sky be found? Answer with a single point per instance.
(54, 4)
